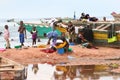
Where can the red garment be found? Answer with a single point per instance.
(48, 50)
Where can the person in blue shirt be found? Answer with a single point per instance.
(52, 35)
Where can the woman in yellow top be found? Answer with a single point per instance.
(63, 44)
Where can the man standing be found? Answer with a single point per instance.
(22, 33)
(71, 30)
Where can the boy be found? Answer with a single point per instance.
(22, 33)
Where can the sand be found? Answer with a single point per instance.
(79, 56)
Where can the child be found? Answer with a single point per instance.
(34, 35)
(22, 33)
(6, 37)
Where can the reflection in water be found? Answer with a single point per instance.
(35, 68)
(82, 72)
(40, 72)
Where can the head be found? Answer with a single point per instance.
(70, 23)
(45, 35)
(87, 16)
(6, 26)
(82, 14)
(59, 21)
(34, 28)
(21, 23)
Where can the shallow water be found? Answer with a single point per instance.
(14, 36)
(82, 72)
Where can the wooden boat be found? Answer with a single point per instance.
(42, 29)
(100, 30)
(10, 20)
(8, 66)
(116, 16)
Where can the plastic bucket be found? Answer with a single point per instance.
(60, 51)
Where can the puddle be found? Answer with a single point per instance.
(40, 72)
(82, 72)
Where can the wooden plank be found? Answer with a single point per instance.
(7, 65)
(98, 27)
(105, 27)
(9, 69)
(100, 36)
(11, 62)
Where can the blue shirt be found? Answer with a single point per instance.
(52, 34)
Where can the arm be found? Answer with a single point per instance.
(48, 41)
(25, 32)
(19, 29)
(61, 45)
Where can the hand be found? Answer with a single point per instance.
(48, 43)
(25, 37)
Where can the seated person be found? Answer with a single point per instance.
(84, 42)
(61, 42)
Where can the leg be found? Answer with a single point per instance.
(22, 39)
(35, 41)
(32, 41)
(66, 48)
(9, 44)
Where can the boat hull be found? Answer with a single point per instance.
(101, 38)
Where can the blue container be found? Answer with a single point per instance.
(71, 44)
(60, 51)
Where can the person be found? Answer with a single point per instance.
(88, 33)
(52, 35)
(104, 19)
(74, 15)
(22, 33)
(61, 42)
(84, 42)
(71, 30)
(34, 35)
(35, 68)
(54, 23)
(6, 36)
(82, 16)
